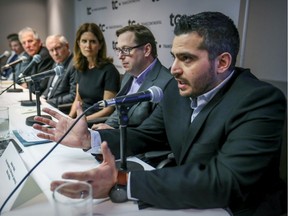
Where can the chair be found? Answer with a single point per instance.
(158, 159)
(97, 121)
(65, 108)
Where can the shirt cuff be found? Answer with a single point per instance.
(95, 143)
(129, 190)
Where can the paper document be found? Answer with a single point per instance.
(29, 137)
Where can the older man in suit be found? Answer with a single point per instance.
(32, 45)
(61, 89)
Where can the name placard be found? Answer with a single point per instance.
(12, 171)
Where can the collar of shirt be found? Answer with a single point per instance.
(141, 77)
(64, 63)
(137, 81)
(198, 103)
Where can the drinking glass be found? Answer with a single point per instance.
(73, 199)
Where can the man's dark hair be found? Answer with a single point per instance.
(12, 37)
(143, 35)
(218, 31)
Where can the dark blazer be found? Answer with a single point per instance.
(228, 156)
(64, 90)
(45, 64)
(158, 76)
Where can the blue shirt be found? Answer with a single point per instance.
(197, 104)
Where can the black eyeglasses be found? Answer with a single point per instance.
(126, 50)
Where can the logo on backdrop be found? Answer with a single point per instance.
(117, 4)
(102, 27)
(92, 10)
(146, 23)
(114, 43)
(174, 18)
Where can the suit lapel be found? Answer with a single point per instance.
(195, 126)
(126, 84)
(67, 64)
(56, 84)
(151, 76)
(148, 82)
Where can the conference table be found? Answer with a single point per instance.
(63, 159)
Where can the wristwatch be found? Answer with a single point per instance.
(118, 192)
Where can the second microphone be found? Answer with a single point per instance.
(58, 70)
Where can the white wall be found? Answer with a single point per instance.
(45, 16)
(60, 17)
(17, 14)
(266, 44)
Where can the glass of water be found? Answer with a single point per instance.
(73, 199)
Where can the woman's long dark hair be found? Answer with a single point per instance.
(80, 61)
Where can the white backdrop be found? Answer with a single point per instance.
(158, 15)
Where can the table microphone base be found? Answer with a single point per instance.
(131, 166)
(30, 120)
(15, 90)
(28, 103)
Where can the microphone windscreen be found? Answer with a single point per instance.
(23, 58)
(156, 93)
(37, 58)
(6, 53)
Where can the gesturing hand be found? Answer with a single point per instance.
(102, 178)
(78, 137)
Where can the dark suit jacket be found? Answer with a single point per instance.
(45, 64)
(158, 76)
(64, 90)
(228, 156)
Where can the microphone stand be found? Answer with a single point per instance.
(123, 122)
(30, 120)
(29, 102)
(14, 83)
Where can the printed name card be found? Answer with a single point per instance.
(12, 171)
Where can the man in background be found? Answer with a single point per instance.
(136, 49)
(17, 52)
(61, 89)
(32, 45)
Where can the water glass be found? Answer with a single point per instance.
(73, 199)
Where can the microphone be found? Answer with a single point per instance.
(36, 59)
(22, 58)
(153, 94)
(58, 70)
(5, 54)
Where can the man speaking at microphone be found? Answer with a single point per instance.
(224, 126)
(32, 45)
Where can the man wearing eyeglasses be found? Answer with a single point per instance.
(61, 88)
(137, 51)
